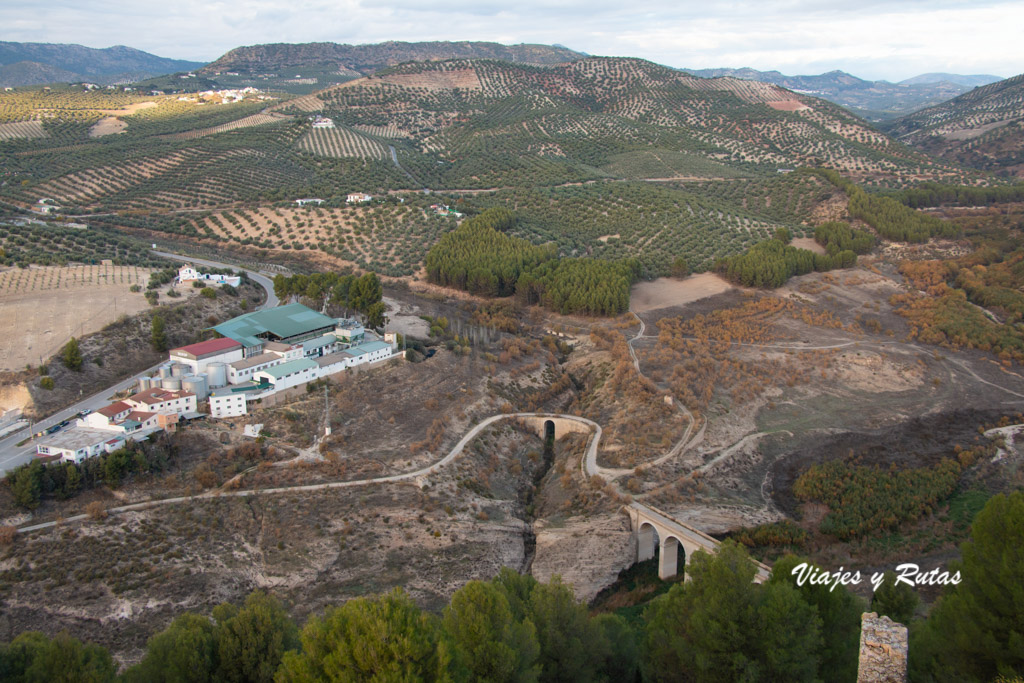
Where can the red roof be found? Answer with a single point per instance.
(209, 346)
(158, 395)
(113, 409)
(139, 415)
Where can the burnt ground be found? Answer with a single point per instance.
(786, 405)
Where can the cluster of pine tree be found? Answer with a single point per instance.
(577, 285)
(935, 194)
(891, 219)
(363, 293)
(837, 236)
(771, 263)
(480, 258)
(717, 626)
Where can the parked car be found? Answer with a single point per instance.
(83, 413)
(64, 423)
(54, 428)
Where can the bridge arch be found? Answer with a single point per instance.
(654, 529)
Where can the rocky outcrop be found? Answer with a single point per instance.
(588, 552)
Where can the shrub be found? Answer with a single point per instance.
(46, 383)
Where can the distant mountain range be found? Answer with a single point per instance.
(367, 59)
(42, 63)
(983, 128)
(873, 100)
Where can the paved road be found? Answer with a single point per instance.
(12, 455)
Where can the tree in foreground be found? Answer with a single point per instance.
(186, 651)
(386, 638)
(839, 611)
(251, 641)
(721, 626)
(34, 658)
(895, 600)
(976, 630)
(493, 645)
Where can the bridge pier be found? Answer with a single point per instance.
(672, 536)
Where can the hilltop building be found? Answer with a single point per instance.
(358, 198)
(188, 273)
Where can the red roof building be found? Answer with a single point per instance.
(206, 349)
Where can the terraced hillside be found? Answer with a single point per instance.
(479, 124)
(604, 157)
(983, 128)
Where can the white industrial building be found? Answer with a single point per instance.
(265, 352)
(198, 357)
(75, 445)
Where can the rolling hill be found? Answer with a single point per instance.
(983, 129)
(873, 100)
(42, 63)
(607, 157)
(366, 59)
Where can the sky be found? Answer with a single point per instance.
(872, 39)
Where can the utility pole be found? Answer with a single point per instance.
(327, 413)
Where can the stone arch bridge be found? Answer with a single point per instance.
(672, 535)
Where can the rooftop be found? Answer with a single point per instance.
(332, 358)
(284, 322)
(74, 438)
(319, 342)
(279, 371)
(253, 361)
(207, 348)
(371, 346)
(113, 409)
(158, 395)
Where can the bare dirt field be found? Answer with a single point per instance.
(809, 244)
(665, 292)
(42, 307)
(129, 110)
(110, 125)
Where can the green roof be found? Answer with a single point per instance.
(279, 371)
(284, 322)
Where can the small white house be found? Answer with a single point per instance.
(163, 401)
(228, 404)
(358, 198)
(188, 273)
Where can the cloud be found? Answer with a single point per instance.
(871, 39)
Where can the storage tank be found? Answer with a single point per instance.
(197, 385)
(165, 371)
(179, 370)
(145, 383)
(172, 383)
(216, 375)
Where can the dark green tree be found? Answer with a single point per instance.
(157, 336)
(493, 645)
(34, 658)
(71, 355)
(27, 484)
(895, 600)
(976, 630)
(383, 639)
(252, 640)
(184, 652)
(839, 611)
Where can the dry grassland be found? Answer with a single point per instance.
(665, 292)
(41, 307)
